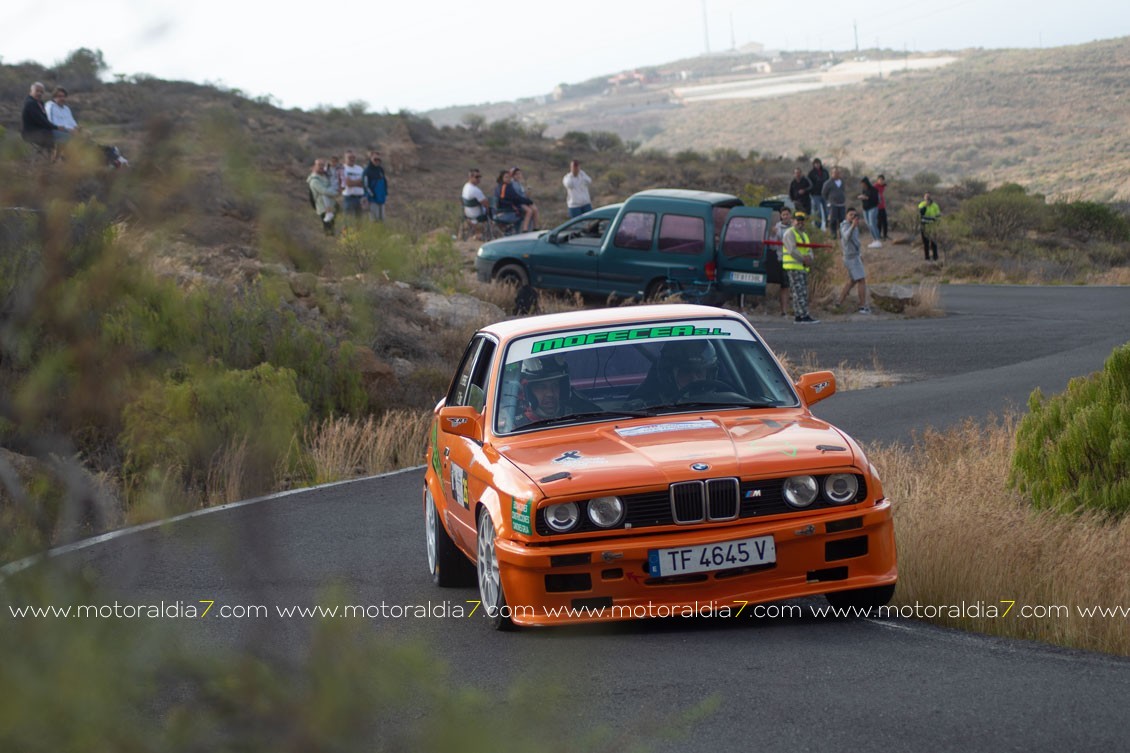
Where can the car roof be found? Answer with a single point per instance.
(512, 328)
(709, 197)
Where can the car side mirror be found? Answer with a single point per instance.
(463, 421)
(552, 238)
(816, 386)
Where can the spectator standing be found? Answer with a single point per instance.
(853, 260)
(835, 199)
(577, 184)
(774, 272)
(881, 187)
(818, 176)
(353, 187)
(928, 214)
(800, 191)
(796, 259)
(36, 128)
(530, 210)
(375, 183)
(322, 195)
(869, 195)
(333, 172)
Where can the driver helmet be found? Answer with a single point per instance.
(540, 371)
(688, 361)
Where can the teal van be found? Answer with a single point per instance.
(701, 244)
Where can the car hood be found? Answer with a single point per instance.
(519, 239)
(638, 453)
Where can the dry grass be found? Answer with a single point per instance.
(927, 302)
(847, 377)
(225, 482)
(344, 448)
(965, 537)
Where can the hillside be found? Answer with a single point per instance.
(1055, 120)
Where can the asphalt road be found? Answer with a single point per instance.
(793, 683)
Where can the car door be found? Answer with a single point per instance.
(569, 257)
(462, 469)
(740, 256)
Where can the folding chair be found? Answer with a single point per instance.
(469, 224)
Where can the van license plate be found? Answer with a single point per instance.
(746, 277)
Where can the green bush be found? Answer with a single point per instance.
(578, 140)
(1003, 213)
(1089, 220)
(606, 141)
(178, 423)
(615, 179)
(1073, 450)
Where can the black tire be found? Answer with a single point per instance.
(658, 291)
(449, 567)
(862, 598)
(490, 580)
(512, 274)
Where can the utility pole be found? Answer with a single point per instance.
(705, 29)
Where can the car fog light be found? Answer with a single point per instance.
(801, 491)
(841, 488)
(606, 512)
(562, 518)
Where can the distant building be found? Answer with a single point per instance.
(634, 78)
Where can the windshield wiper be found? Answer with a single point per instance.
(570, 417)
(696, 404)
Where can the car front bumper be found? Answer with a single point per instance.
(608, 579)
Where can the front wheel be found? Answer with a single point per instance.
(512, 274)
(862, 598)
(448, 566)
(490, 579)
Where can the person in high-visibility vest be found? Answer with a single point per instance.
(796, 260)
(929, 212)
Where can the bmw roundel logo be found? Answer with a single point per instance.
(700, 467)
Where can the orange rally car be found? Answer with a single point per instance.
(646, 461)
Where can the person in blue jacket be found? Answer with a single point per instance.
(375, 183)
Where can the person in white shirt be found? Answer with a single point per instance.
(353, 187)
(475, 202)
(61, 117)
(577, 184)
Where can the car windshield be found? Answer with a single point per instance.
(646, 369)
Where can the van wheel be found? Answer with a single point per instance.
(659, 290)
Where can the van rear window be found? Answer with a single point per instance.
(745, 238)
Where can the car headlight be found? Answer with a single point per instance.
(606, 512)
(841, 488)
(801, 491)
(562, 517)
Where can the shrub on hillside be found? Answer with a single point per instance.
(1003, 213)
(606, 141)
(1089, 220)
(1073, 450)
(178, 423)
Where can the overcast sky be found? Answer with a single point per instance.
(422, 54)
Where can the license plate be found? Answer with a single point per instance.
(746, 277)
(709, 557)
